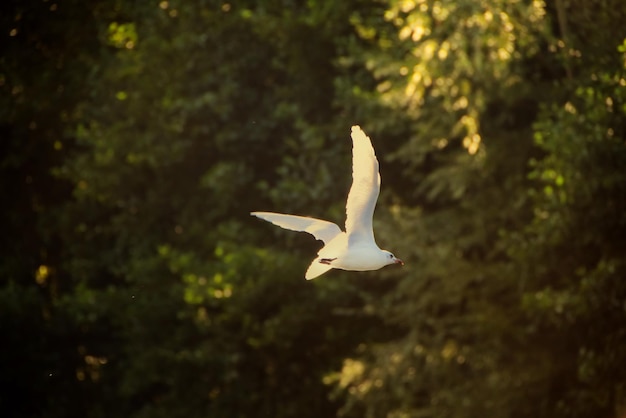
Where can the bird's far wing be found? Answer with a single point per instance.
(364, 191)
(322, 230)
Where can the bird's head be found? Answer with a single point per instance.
(392, 259)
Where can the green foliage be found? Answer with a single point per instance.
(138, 137)
(508, 212)
(580, 298)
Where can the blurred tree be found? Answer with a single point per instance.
(572, 252)
(49, 51)
(483, 217)
(138, 136)
(209, 111)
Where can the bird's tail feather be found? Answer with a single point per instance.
(316, 269)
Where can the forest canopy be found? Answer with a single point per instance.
(137, 137)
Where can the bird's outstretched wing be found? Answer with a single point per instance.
(322, 230)
(364, 191)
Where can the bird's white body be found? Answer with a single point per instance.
(355, 249)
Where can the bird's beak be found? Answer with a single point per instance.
(398, 261)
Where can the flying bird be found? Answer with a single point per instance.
(355, 249)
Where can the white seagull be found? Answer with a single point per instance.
(356, 248)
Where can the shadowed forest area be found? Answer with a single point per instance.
(137, 136)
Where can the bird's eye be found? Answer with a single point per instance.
(390, 255)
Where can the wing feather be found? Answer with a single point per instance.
(364, 191)
(322, 230)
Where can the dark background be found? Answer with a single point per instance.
(136, 137)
